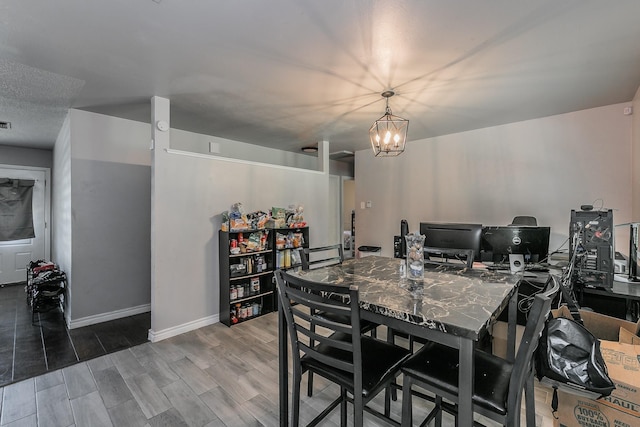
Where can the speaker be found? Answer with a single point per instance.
(404, 230)
(516, 262)
(397, 247)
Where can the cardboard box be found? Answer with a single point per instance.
(622, 407)
(578, 411)
(499, 338)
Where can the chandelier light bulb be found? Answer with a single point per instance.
(387, 138)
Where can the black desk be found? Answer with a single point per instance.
(622, 301)
(453, 307)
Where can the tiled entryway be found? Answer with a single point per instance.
(29, 349)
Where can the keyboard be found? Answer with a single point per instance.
(536, 268)
(499, 267)
(532, 267)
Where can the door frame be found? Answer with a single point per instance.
(47, 202)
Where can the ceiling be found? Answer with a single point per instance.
(289, 73)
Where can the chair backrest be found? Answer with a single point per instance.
(447, 254)
(306, 302)
(524, 220)
(538, 314)
(322, 256)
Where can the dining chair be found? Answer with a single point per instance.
(322, 256)
(326, 256)
(361, 365)
(498, 383)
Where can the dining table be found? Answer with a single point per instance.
(453, 305)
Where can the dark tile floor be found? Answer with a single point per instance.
(29, 349)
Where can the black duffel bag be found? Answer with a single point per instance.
(568, 358)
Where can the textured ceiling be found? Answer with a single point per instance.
(288, 73)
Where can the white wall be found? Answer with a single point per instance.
(190, 194)
(61, 249)
(635, 184)
(543, 167)
(200, 143)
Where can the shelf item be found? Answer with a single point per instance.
(288, 246)
(46, 287)
(248, 259)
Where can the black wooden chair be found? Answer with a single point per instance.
(321, 257)
(498, 383)
(361, 365)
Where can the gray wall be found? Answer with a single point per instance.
(543, 167)
(102, 209)
(102, 219)
(26, 156)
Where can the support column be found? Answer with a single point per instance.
(323, 156)
(160, 141)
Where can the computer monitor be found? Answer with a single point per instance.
(500, 241)
(452, 236)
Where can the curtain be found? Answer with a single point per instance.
(16, 211)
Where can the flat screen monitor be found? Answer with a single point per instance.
(452, 236)
(532, 242)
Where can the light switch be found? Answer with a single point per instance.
(361, 205)
(369, 204)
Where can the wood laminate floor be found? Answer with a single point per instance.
(31, 347)
(213, 376)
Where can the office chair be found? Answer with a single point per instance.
(524, 220)
(329, 255)
(361, 365)
(498, 383)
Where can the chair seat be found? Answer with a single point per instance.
(437, 365)
(380, 361)
(365, 325)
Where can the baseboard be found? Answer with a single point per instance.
(155, 336)
(112, 315)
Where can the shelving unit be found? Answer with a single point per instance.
(247, 288)
(46, 287)
(246, 285)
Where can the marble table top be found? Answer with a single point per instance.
(454, 300)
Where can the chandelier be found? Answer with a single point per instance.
(388, 134)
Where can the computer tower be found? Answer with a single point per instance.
(591, 249)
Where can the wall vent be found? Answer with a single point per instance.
(5, 125)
